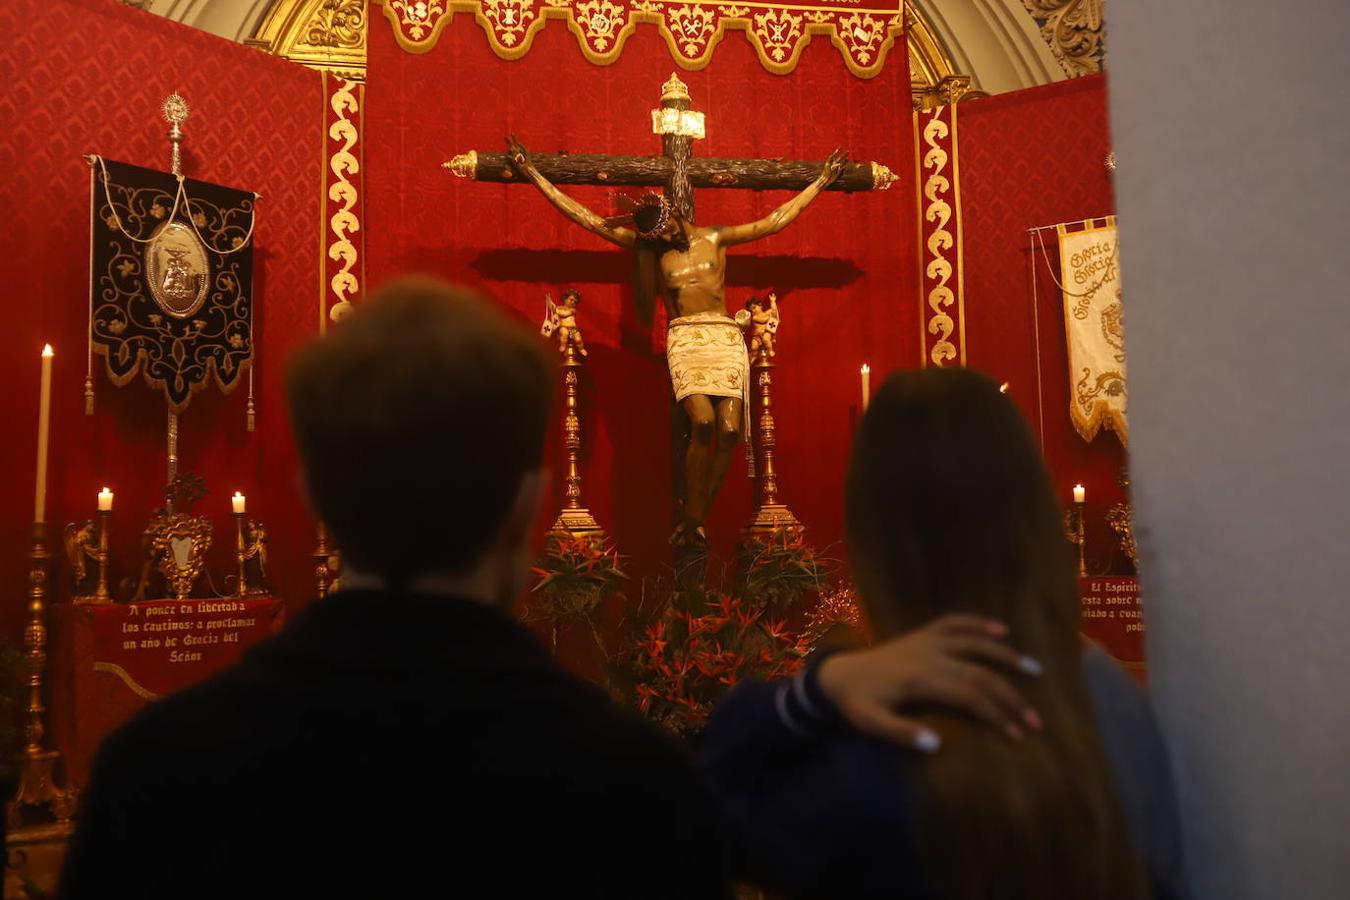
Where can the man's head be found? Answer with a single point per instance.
(420, 424)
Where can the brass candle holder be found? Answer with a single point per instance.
(1077, 533)
(241, 552)
(37, 781)
(101, 594)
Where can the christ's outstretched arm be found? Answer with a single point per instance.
(781, 217)
(520, 157)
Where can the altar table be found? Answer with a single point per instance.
(108, 660)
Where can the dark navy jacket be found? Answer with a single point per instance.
(815, 810)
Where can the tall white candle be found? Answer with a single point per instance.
(44, 424)
(866, 386)
(105, 500)
(1079, 493)
(237, 503)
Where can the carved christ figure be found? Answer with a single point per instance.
(686, 264)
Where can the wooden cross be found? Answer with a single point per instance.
(676, 169)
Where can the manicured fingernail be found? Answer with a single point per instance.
(927, 742)
(1029, 665)
(997, 629)
(1033, 720)
(1014, 732)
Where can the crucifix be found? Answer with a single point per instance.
(684, 264)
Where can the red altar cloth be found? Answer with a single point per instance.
(1111, 616)
(109, 660)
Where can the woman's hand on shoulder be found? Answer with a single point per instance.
(961, 662)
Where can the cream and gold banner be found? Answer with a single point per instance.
(863, 30)
(1094, 327)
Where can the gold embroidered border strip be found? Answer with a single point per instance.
(342, 185)
(937, 180)
(863, 31)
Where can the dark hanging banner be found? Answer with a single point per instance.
(172, 272)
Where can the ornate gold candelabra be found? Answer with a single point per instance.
(574, 517)
(560, 319)
(772, 513)
(37, 783)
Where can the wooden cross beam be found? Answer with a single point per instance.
(676, 169)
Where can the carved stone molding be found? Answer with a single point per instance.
(1075, 31)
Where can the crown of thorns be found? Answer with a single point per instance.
(663, 208)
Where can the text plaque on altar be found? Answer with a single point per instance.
(112, 659)
(1112, 617)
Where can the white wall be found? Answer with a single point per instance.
(1233, 131)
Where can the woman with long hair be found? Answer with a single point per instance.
(950, 510)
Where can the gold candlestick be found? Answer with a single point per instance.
(1077, 534)
(574, 517)
(772, 514)
(240, 552)
(561, 319)
(37, 785)
(101, 594)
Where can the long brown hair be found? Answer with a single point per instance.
(950, 509)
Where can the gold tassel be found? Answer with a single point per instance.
(252, 416)
(88, 396)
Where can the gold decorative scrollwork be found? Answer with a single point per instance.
(178, 545)
(344, 166)
(337, 23)
(1073, 29)
(943, 305)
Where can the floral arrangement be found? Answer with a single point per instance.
(675, 651)
(686, 661)
(573, 577)
(780, 569)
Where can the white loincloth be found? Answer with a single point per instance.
(706, 354)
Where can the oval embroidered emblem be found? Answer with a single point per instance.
(177, 269)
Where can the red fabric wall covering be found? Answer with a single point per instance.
(1037, 157)
(87, 76)
(844, 272)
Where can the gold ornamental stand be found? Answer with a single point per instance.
(574, 518)
(37, 781)
(772, 514)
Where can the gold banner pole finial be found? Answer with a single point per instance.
(176, 111)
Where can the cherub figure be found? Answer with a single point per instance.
(763, 328)
(562, 318)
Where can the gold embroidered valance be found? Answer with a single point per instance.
(863, 30)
